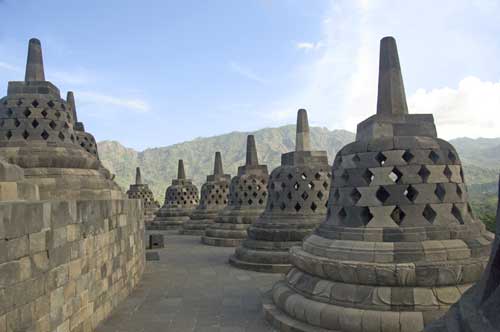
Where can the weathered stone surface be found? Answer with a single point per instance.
(399, 243)
(181, 198)
(247, 199)
(141, 191)
(298, 193)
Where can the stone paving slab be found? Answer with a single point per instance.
(193, 288)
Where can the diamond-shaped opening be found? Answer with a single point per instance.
(325, 185)
(336, 195)
(26, 134)
(304, 195)
(355, 196)
(424, 173)
(254, 194)
(289, 195)
(297, 207)
(303, 176)
(447, 172)
(452, 157)
(313, 206)
(283, 185)
(382, 194)
(45, 135)
(345, 175)
(58, 114)
(310, 185)
(282, 206)
(19, 102)
(261, 201)
(61, 136)
(51, 104)
(380, 158)
(44, 113)
(408, 156)
(411, 193)
(366, 215)
(342, 214)
(457, 214)
(52, 125)
(17, 123)
(356, 158)
(429, 214)
(34, 123)
(320, 195)
(27, 112)
(398, 215)
(433, 156)
(8, 134)
(459, 191)
(368, 176)
(296, 186)
(317, 176)
(395, 175)
(440, 192)
(250, 202)
(10, 112)
(35, 103)
(289, 176)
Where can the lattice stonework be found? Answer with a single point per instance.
(42, 118)
(411, 187)
(87, 141)
(214, 195)
(303, 192)
(247, 191)
(146, 197)
(182, 195)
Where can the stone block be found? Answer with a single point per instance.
(38, 241)
(17, 248)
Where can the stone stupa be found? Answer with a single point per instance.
(478, 308)
(141, 191)
(84, 139)
(247, 200)
(214, 198)
(37, 133)
(399, 245)
(298, 193)
(181, 198)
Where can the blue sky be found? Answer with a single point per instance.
(155, 73)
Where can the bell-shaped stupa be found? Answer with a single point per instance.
(181, 198)
(247, 200)
(298, 193)
(37, 133)
(141, 191)
(399, 245)
(84, 139)
(214, 198)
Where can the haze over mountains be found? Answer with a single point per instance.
(481, 157)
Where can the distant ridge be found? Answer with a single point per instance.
(481, 157)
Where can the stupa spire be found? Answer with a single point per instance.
(252, 158)
(303, 139)
(218, 164)
(138, 177)
(70, 99)
(181, 174)
(34, 63)
(391, 98)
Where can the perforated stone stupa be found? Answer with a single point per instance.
(399, 245)
(214, 198)
(298, 193)
(37, 134)
(141, 191)
(247, 200)
(84, 139)
(181, 198)
(478, 308)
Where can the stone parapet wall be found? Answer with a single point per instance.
(64, 265)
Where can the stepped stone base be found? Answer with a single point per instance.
(259, 267)
(168, 223)
(220, 242)
(229, 230)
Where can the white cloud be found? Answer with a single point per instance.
(308, 46)
(469, 110)
(7, 66)
(76, 77)
(246, 72)
(89, 97)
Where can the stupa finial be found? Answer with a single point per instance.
(391, 91)
(252, 158)
(138, 177)
(181, 174)
(34, 64)
(218, 164)
(303, 139)
(70, 99)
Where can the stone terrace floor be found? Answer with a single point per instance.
(193, 288)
